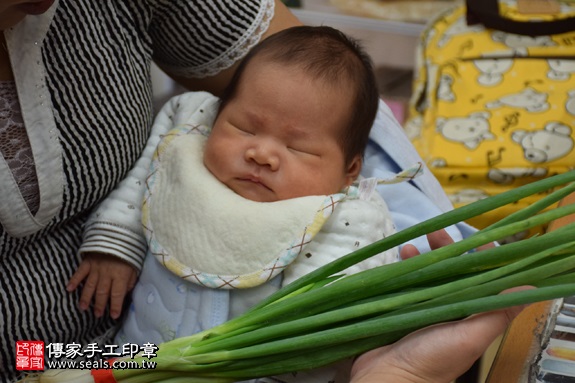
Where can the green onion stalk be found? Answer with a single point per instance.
(324, 317)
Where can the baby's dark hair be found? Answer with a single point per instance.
(329, 55)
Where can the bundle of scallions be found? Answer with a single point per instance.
(322, 317)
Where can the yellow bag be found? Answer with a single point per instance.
(493, 110)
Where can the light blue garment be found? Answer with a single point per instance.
(164, 300)
(390, 151)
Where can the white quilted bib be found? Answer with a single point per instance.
(197, 227)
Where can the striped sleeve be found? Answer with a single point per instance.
(107, 238)
(220, 32)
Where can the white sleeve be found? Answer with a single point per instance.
(115, 226)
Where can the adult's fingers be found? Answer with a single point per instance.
(436, 240)
(439, 239)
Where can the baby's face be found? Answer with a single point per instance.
(278, 137)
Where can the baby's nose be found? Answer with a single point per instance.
(263, 156)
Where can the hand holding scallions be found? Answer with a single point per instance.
(435, 354)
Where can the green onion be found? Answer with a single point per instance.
(324, 317)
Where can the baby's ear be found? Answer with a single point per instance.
(353, 169)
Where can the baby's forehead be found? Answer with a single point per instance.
(327, 78)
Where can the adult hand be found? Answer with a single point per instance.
(436, 240)
(106, 278)
(435, 354)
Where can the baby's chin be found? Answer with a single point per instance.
(273, 197)
(260, 193)
(257, 198)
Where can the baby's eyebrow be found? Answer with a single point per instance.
(296, 132)
(286, 130)
(253, 118)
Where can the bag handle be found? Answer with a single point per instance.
(486, 12)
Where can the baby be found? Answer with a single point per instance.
(235, 211)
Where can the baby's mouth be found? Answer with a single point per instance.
(254, 179)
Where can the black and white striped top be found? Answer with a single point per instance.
(83, 76)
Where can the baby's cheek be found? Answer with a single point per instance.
(211, 162)
(310, 184)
